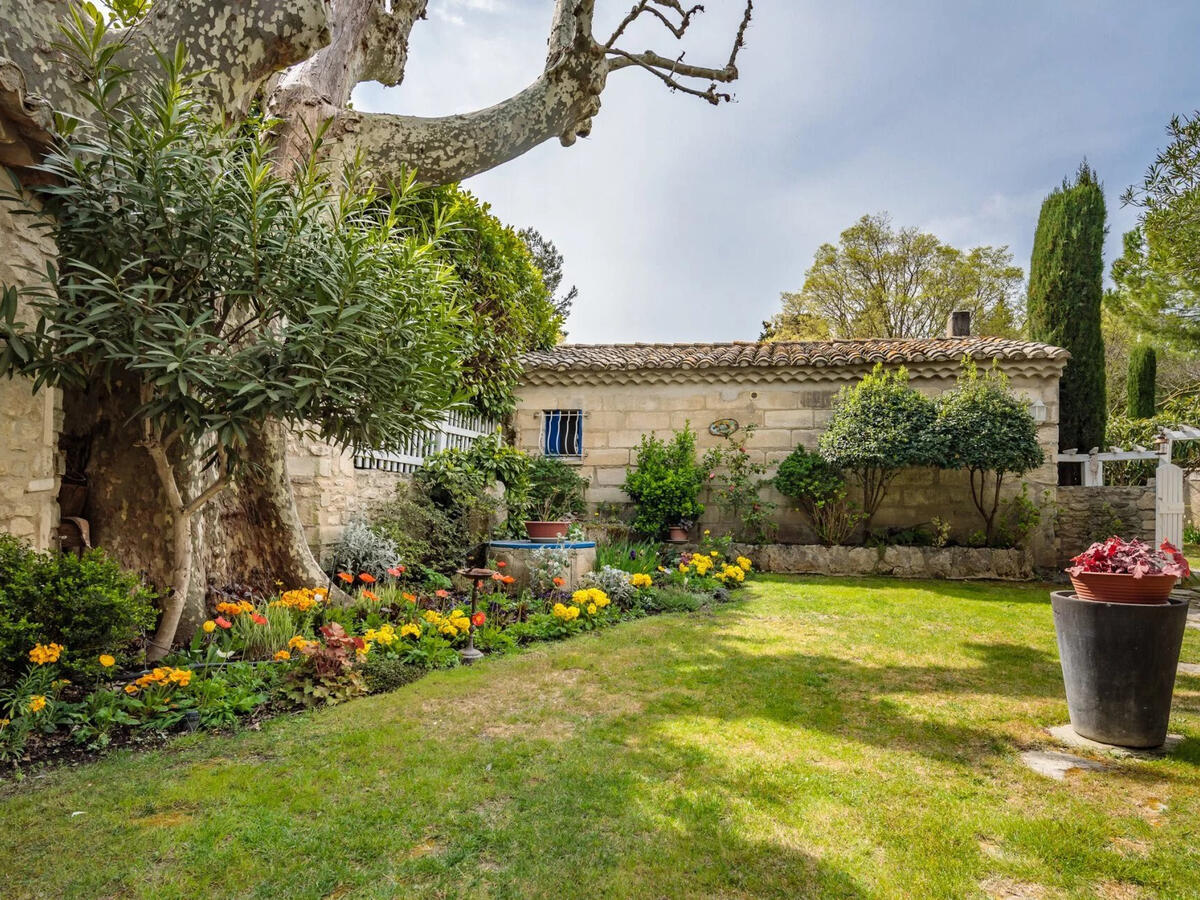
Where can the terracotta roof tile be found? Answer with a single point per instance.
(780, 354)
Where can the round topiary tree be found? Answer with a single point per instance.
(988, 431)
(880, 426)
(1143, 372)
(820, 489)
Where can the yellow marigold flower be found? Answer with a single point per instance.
(209, 626)
(4, 723)
(662, 568)
(37, 703)
(410, 630)
(107, 661)
(591, 609)
(641, 580)
(744, 564)
(298, 642)
(431, 616)
(707, 532)
(713, 553)
(683, 567)
(131, 688)
(41, 654)
(602, 601)
(282, 655)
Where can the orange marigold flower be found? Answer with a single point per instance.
(370, 595)
(282, 655)
(508, 579)
(107, 660)
(558, 582)
(346, 577)
(366, 577)
(478, 619)
(411, 598)
(131, 688)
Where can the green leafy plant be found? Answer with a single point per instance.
(328, 671)
(387, 673)
(666, 482)
(86, 603)
(735, 479)
(987, 430)
(630, 555)
(880, 426)
(820, 489)
(556, 490)
(1140, 385)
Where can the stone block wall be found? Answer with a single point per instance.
(29, 423)
(1089, 514)
(330, 492)
(789, 409)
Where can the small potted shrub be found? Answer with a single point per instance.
(556, 498)
(665, 486)
(1119, 635)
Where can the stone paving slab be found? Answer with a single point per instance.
(1189, 668)
(1066, 734)
(1055, 764)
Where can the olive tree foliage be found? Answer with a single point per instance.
(880, 281)
(879, 426)
(988, 431)
(228, 294)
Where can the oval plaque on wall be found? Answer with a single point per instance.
(723, 427)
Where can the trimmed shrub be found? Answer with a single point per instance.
(988, 431)
(87, 604)
(386, 673)
(880, 426)
(666, 483)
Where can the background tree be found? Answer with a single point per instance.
(547, 258)
(229, 295)
(988, 431)
(299, 61)
(1158, 277)
(508, 304)
(1143, 371)
(880, 281)
(1065, 291)
(880, 426)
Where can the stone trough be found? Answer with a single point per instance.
(516, 555)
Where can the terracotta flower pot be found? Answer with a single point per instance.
(547, 531)
(1114, 588)
(677, 534)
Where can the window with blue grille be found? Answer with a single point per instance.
(562, 432)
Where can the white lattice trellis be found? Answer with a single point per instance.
(455, 430)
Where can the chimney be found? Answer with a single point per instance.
(959, 324)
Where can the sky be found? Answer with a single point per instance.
(679, 221)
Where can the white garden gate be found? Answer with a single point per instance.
(1168, 477)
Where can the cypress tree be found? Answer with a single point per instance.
(1143, 370)
(1065, 288)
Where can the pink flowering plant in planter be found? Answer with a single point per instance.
(1127, 571)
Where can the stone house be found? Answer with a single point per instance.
(589, 404)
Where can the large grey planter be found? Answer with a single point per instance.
(1118, 663)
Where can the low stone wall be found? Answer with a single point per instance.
(1089, 514)
(517, 560)
(956, 563)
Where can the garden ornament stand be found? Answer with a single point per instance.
(469, 653)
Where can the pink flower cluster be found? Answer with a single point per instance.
(1136, 558)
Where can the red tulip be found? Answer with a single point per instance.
(223, 622)
(258, 620)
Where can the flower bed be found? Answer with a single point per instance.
(260, 656)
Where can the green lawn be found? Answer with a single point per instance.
(848, 738)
